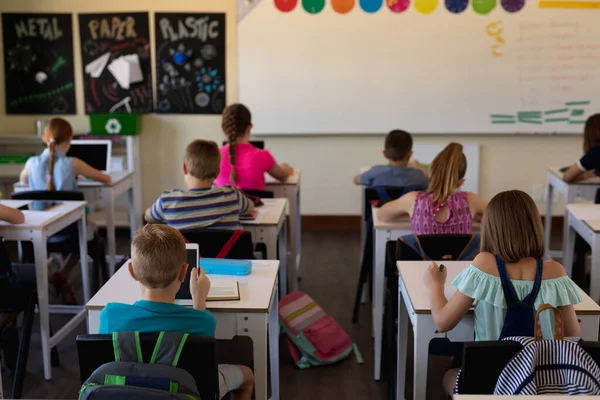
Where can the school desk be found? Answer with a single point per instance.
(122, 182)
(290, 189)
(571, 192)
(414, 309)
(584, 219)
(269, 228)
(38, 227)
(382, 233)
(254, 315)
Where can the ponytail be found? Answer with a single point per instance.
(236, 121)
(50, 175)
(447, 169)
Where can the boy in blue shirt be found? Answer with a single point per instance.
(158, 263)
(398, 150)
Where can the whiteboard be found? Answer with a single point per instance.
(533, 71)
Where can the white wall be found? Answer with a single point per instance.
(328, 163)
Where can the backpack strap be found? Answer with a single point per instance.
(510, 294)
(413, 242)
(168, 348)
(237, 234)
(470, 250)
(537, 284)
(126, 346)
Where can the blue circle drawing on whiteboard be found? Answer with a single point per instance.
(371, 6)
(457, 6)
(512, 5)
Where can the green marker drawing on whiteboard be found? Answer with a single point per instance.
(313, 6)
(483, 7)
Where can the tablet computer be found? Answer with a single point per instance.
(184, 297)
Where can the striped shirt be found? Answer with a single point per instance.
(217, 208)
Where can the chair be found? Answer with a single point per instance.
(484, 361)
(379, 195)
(211, 241)
(95, 244)
(17, 299)
(199, 357)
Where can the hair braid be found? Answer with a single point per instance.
(235, 123)
(57, 132)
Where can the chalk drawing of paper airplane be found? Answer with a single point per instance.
(96, 67)
(126, 70)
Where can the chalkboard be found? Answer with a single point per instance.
(190, 63)
(38, 63)
(115, 58)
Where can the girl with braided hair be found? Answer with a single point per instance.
(243, 165)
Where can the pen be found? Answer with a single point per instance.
(441, 267)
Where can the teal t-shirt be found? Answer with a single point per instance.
(151, 317)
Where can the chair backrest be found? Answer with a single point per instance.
(259, 144)
(437, 247)
(211, 241)
(5, 264)
(484, 361)
(58, 195)
(373, 194)
(261, 194)
(199, 357)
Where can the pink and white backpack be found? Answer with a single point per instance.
(314, 337)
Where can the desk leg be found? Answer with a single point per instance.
(569, 198)
(589, 327)
(424, 331)
(41, 275)
(109, 209)
(132, 214)
(548, 219)
(379, 241)
(83, 260)
(283, 262)
(255, 326)
(274, 346)
(402, 350)
(569, 248)
(595, 270)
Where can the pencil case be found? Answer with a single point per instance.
(224, 266)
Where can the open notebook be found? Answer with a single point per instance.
(224, 290)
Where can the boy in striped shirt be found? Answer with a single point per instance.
(201, 205)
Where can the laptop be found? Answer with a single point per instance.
(96, 153)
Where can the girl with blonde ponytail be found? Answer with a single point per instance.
(243, 165)
(442, 208)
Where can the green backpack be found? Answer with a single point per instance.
(129, 377)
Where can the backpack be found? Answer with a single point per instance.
(128, 377)
(314, 337)
(549, 367)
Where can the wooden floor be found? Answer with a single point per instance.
(330, 272)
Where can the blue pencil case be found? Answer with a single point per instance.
(224, 266)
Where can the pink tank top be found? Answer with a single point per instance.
(459, 222)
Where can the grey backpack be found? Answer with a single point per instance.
(129, 377)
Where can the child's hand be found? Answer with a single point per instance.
(434, 277)
(199, 285)
(287, 168)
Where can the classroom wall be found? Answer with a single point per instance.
(328, 163)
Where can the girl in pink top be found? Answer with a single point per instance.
(441, 209)
(243, 165)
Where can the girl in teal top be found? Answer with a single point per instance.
(512, 230)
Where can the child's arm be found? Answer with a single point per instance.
(570, 321)
(477, 204)
(357, 179)
(24, 177)
(82, 168)
(154, 214)
(416, 164)
(573, 173)
(398, 208)
(199, 288)
(281, 172)
(446, 314)
(246, 205)
(11, 215)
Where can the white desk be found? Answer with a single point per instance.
(571, 191)
(290, 189)
(59, 217)
(414, 308)
(122, 182)
(255, 315)
(269, 228)
(584, 219)
(384, 232)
